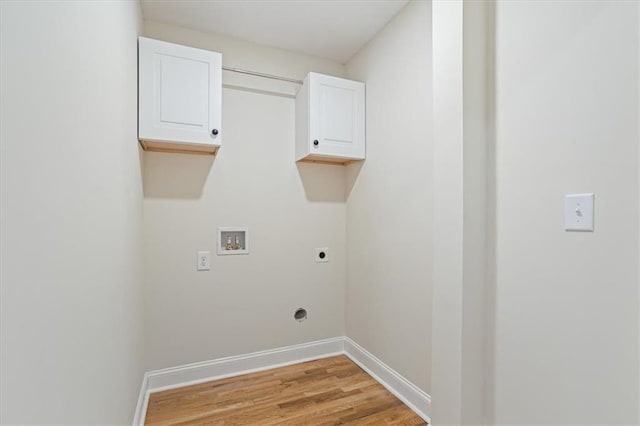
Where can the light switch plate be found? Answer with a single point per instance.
(579, 212)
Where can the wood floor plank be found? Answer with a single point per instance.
(330, 391)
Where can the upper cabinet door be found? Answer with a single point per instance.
(337, 116)
(180, 97)
(330, 120)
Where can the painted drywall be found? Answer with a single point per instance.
(477, 24)
(245, 303)
(566, 303)
(448, 219)
(389, 206)
(462, 36)
(71, 210)
(461, 126)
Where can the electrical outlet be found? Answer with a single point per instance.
(322, 255)
(204, 261)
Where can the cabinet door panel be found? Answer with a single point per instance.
(337, 117)
(337, 114)
(179, 93)
(184, 91)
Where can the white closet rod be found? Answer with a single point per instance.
(259, 74)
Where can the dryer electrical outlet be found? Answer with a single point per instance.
(322, 255)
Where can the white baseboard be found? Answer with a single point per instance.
(413, 397)
(200, 372)
(143, 400)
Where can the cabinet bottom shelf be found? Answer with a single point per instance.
(328, 160)
(179, 148)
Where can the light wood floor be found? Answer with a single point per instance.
(331, 391)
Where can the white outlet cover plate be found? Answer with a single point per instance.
(579, 212)
(324, 259)
(204, 261)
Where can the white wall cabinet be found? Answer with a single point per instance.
(330, 120)
(179, 98)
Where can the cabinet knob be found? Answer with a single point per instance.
(316, 143)
(214, 132)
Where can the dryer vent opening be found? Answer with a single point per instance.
(300, 314)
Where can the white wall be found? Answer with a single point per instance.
(245, 303)
(461, 134)
(389, 207)
(71, 210)
(566, 329)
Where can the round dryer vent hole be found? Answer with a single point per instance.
(300, 314)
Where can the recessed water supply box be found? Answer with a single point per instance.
(233, 240)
